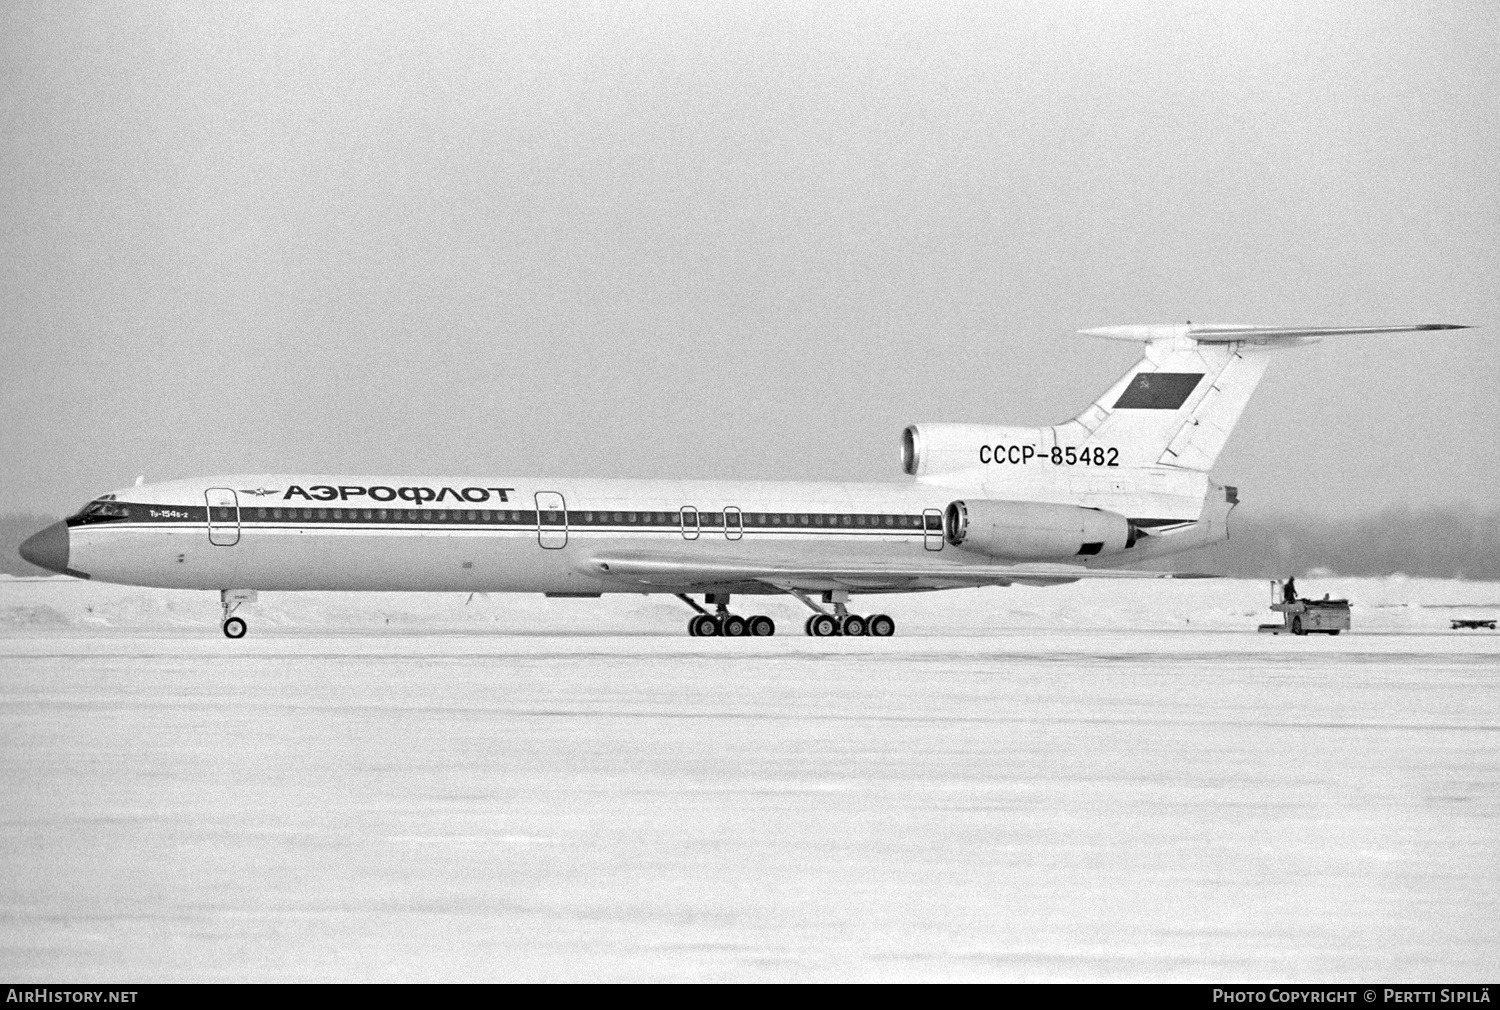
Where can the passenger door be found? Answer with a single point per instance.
(551, 520)
(223, 516)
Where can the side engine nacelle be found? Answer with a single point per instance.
(1035, 531)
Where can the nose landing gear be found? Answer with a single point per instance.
(230, 600)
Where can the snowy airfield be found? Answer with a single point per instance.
(1090, 782)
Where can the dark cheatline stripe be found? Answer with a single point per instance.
(135, 514)
(1158, 391)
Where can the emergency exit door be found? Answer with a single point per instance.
(932, 529)
(551, 520)
(734, 523)
(223, 516)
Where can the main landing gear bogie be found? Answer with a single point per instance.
(731, 626)
(850, 625)
(821, 624)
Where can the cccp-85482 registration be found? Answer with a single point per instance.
(1060, 455)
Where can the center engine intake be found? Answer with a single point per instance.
(1035, 531)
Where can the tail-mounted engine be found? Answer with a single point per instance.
(929, 449)
(1035, 531)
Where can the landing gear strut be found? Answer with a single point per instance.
(230, 600)
(722, 622)
(822, 624)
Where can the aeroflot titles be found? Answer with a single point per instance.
(379, 492)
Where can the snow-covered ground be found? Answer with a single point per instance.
(1392, 604)
(1091, 782)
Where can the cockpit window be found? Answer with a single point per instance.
(102, 510)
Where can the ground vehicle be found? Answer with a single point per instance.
(1302, 616)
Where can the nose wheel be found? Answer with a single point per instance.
(230, 600)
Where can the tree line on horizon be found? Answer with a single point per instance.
(1444, 543)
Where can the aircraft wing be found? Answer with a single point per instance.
(669, 570)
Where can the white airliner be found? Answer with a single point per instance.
(1126, 480)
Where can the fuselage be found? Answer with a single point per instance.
(308, 532)
(322, 532)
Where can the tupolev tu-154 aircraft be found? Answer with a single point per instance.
(986, 505)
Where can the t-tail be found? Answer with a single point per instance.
(1144, 448)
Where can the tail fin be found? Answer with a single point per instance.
(1177, 405)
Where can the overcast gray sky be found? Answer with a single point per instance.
(732, 239)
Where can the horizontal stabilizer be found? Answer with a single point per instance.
(1177, 405)
(1224, 333)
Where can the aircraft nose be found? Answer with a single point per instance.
(49, 548)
